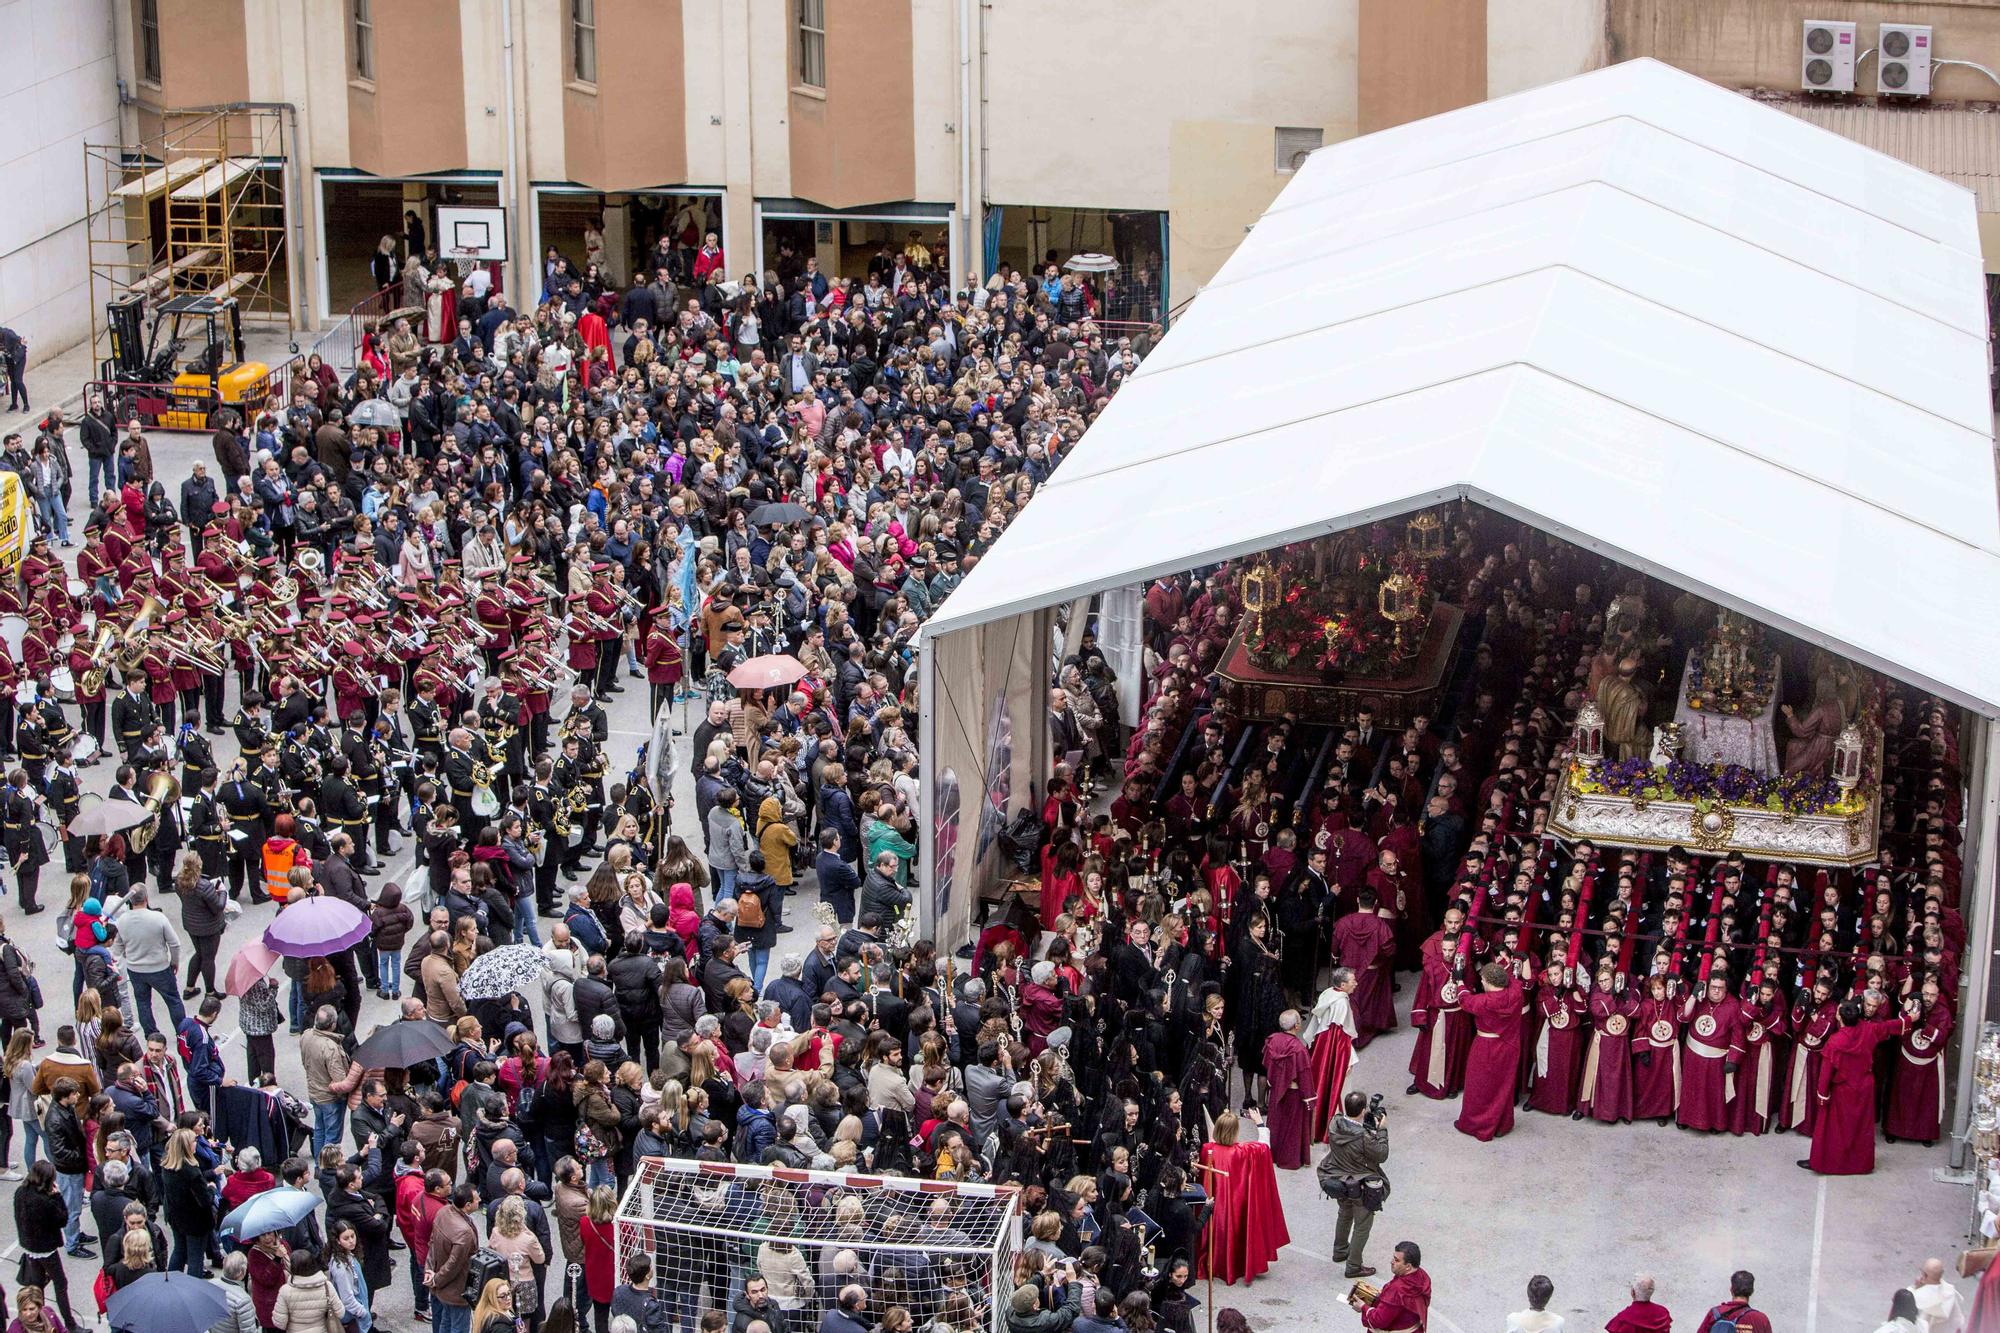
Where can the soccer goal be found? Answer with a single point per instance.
(933, 1247)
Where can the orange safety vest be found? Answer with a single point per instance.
(278, 862)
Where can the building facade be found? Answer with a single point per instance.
(1154, 133)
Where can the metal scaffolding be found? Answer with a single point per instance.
(199, 208)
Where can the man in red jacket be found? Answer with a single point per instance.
(1742, 1286)
(419, 1196)
(1405, 1304)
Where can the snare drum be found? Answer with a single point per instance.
(26, 693)
(62, 683)
(84, 748)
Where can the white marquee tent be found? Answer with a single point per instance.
(1634, 309)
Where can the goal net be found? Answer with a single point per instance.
(935, 1248)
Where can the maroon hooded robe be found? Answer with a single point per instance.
(1493, 1066)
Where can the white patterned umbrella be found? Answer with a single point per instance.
(502, 971)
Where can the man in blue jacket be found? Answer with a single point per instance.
(202, 1056)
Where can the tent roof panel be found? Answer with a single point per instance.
(1630, 377)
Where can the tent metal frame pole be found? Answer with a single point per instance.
(1983, 804)
(927, 702)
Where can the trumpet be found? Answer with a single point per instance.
(626, 598)
(595, 623)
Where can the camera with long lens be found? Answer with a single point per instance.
(1375, 1113)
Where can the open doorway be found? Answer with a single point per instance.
(358, 211)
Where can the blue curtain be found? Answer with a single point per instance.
(993, 215)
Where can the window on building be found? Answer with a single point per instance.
(812, 43)
(1293, 145)
(583, 40)
(149, 40)
(364, 40)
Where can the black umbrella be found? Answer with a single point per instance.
(765, 515)
(401, 1044)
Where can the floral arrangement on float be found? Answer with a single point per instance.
(1718, 784)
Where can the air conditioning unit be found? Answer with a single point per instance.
(1903, 60)
(1826, 57)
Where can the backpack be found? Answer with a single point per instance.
(1717, 1321)
(749, 909)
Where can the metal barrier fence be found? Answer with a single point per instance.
(340, 345)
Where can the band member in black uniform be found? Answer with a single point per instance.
(294, 706)
(65, 797)
(427, 722)
(23, 838)
(197, 754)
(208, 824)
(345, 810)
(570, 773)
(540, 811)
(249, 812)
(459, 761)
(133, 715)
(364, 757)
(253, 731)
(31, 743)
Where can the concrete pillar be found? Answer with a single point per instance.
(618, 236)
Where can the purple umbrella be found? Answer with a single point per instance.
(316, 927)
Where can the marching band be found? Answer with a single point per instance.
(365, 706)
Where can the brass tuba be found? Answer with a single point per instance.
(161, 791)
(101, 653)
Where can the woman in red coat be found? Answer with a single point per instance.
(1493, 1065)
(1247, 1229)
(1843, 1140)
(600, 1251)
(1656, 1055)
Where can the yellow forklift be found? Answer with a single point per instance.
(179, 370)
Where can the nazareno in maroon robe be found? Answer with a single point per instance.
(1656, 1059)
(1558, 1058)
(1604, 1092)
(1366, 943)
(1288, 1067)
(1493, 1065)
(1843, 1141)
(1916, 1094)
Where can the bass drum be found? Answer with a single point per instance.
(84, 748)
(13, 631)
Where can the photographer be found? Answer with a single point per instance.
(1351, 1174)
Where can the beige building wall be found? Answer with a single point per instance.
(1533, 42)
(1262, 63)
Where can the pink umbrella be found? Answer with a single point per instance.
(316, 927)
(768, 672)
(251, 963)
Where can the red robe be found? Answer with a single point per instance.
(1405, 1303)
(1332, 1055)
(1288, 1066)
(1798, 1108)
(1604, 1092)
(1444, 1033)
(1641, 1317)
(1656, 1059)
(1843, 1141)
(1558, 1061)
(1760, 1083)
(1249, 1220)
(1492, 1067)
(1713, 1041)
(1366, 943)
(1916, 1092)
(1984, 1316)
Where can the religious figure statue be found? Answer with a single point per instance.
(1624, 706)
(1811, 746)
